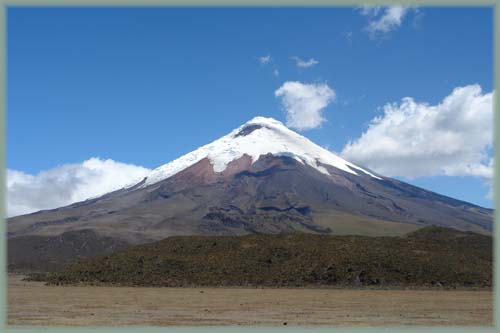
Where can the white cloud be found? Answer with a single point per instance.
(303, 63)
(370, 11)
(67, 183)
(382, 20)
(268, 60)
(264, 60)
(304, 103)
(414, 139)
(348, 35)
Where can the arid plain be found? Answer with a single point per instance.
(33, 303)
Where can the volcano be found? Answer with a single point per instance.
(260, 178)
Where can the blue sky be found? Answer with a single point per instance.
(144, 86)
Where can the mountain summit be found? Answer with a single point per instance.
(255, 138)
(260, 178)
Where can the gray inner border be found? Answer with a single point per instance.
(229, 3)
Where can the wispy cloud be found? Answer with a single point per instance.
(304, 63)
(348, 36)
(383, 20)
(264, 60)
(304, 103)
(268, 61)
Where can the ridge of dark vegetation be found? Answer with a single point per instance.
(429, 257)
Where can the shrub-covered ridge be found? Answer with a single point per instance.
(430, 256)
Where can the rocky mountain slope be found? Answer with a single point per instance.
(260, 178)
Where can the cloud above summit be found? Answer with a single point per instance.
(304, 103)
(383, 19)
(415, 139)
(264, 60)
(68, 183)
(301, 63)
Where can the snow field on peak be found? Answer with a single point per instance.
(267, 136)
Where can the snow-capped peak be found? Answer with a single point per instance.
(257, 137)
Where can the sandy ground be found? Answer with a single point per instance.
(32, 303)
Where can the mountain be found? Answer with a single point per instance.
(260, 178)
